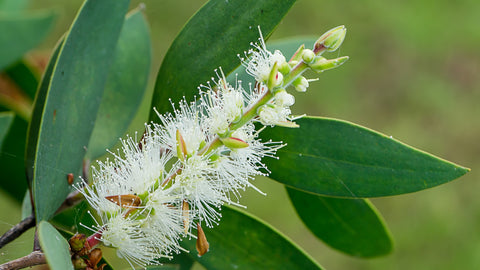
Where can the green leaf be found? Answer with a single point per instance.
(21, 33)
(55, 247)
(212, 38)
(182, 261)
(353, 226)
(125, 87)
(13, 5)
(26, 205)
(242, 241)
(67, 108)
(12, 165)
(23, 76)
(6, 119)
(338, 158)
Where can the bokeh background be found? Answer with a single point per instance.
(413, 73)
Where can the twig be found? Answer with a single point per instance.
(17, 230)
(34, 258)
(73, 199)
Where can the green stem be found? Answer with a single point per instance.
(252, 112)
(294, 73)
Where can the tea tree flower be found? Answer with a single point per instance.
(161, 188)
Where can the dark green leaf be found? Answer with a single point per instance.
(6, 119)
(12, 165)
(338, 158)
(55, 247)
(212, 38)
(24, 77)
(353, 226)
(21, 33)
(242, 241)
(66, 110)
(182, 261)
(126, 85)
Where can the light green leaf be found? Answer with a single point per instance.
(54, 246)
(67, 104)
(353, 226)
(26, 205)
(13, 5)
(212, 38)
(338, 158)
(242, 241)
(21, 33)
(125, 87)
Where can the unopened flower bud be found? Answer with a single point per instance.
(181, 146)
(77, 242)
(331, 40)
(284, 68)
(276, 78)
(301, 84)
(321, 63)
(234, 143)
(297, 56)
(308, 55)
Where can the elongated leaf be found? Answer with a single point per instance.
(213, 38)
(21, 33)
(54, 246)
(6, 119)
(12, 155)
(126, 85)
(67, 112)
(13, 5)
(242, 241)
(182, 261)
(27, 209)
(23, 76)
(338, 158)
(353, 226)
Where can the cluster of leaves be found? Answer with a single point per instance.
(91, 90)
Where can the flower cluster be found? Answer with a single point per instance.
(160, 188)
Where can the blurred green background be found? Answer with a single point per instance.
(413, 73)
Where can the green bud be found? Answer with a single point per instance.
(284, 68)
(308, 55)
(275, 78)
(234, 143)
(331, 40)
(321, 63)
(77, 242)
(297, 56)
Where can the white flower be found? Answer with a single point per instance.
(284, 99)
(196, 186)
(187, 120)
(259, 61)
(270, 114)
(223, 104)
(131, 242)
